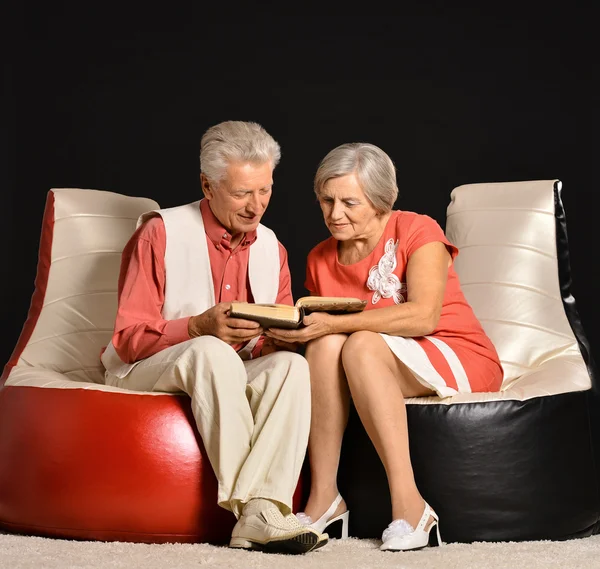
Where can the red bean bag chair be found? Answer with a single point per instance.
(79, 459)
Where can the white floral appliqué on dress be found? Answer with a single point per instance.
(382, 279)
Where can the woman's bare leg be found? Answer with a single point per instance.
(330, 401)
(379, 382)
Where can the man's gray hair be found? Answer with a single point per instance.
(374, 170)
(235, 141)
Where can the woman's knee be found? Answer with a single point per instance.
(361, 348)
(326, 347)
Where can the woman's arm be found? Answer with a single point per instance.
(426, 276)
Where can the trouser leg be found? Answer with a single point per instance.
(278, 391)
(213, 375)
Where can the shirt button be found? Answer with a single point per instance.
(225, 236)
(227, 287)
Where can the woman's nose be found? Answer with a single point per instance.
(336, 211)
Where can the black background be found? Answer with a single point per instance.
(118, 98)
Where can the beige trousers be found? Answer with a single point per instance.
(253, 416)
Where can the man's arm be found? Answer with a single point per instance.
(140, 330)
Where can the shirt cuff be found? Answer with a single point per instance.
(176, 331)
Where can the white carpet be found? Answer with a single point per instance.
(21, 552)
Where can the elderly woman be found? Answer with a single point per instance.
(417, 336)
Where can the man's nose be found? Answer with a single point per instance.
(254, 203)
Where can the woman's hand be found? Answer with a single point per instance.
(316, 325)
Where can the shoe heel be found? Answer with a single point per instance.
(435, 538)
(344, 520)
(241, 543)
(345, 517)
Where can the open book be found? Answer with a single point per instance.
(285, 316)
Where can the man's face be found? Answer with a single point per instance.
(241, 198)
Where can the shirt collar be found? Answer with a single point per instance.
(218, 234)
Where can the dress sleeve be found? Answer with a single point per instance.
(425, 229)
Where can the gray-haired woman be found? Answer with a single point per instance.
(417, 336)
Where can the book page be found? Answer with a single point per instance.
(268, 315)
(332, 304)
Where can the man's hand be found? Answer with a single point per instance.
(316, 325)
(271, 345)
(217, 322)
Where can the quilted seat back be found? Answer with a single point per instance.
(72, 312)
(508, 267)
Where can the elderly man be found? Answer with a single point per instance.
(179, 273)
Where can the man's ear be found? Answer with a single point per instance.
(206, 187)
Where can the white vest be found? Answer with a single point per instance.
(189, 288)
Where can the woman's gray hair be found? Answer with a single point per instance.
(374, 170)
(235, 141)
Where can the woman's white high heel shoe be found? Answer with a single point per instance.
(326, 520)
(401, 536)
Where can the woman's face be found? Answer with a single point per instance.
(346, 209)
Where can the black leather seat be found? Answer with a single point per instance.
(521, 464)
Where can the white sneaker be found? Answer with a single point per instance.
(262, 526)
